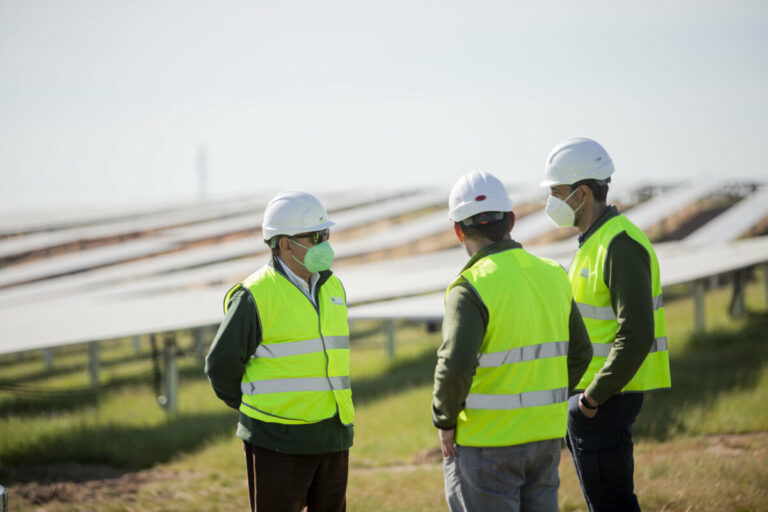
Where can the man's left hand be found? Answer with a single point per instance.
(448, 442)
(589, 413)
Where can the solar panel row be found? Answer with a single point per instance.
(105, 297)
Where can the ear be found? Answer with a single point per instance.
(458, 231)
(511, 220)
(284, 244)
(586, 192)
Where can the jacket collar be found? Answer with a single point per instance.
(610, 212)
(503, 245)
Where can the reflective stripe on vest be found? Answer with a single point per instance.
(299, 373)
(302, 347)
(527, 353)
(593, 299)
(519, 390)
(299, 384)
(606, 312)
(518, 401)
(603, 349)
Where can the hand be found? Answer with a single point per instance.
(447, 442)
(589, 413)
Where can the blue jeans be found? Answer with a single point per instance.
(601, 449)
(507, 478)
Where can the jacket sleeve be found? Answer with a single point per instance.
(628, 277)
(464, 324)
(579, 348)
(238, 336)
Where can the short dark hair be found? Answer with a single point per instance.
(599, 188)
(494, 231)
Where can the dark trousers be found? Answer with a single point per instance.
(601, 449)
(281, 482)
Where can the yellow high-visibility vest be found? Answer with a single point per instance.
(593, 298)
(520, 389)
(300, 371)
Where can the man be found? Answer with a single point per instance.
(615, 281)
(281, 357)
(513, 345)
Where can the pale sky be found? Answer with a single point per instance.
(107, 102)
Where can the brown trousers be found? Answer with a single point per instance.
(281, 482)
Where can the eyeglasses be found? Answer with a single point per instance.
(316, 236)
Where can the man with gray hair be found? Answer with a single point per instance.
(281, 357)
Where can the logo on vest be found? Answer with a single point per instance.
(584, 273)
(337, 301)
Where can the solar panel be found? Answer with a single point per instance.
(735, 221)
(184, 289)
(648, 214)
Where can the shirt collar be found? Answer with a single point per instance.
(307, 289)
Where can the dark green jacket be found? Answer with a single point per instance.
(237, 339)
(464, 325)
(628, 277)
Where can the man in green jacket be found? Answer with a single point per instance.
(281, 357)
(513, 346)
(616, 284)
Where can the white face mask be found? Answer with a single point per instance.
(560, 212)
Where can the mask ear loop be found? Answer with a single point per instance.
(294, 257)
(571, 195)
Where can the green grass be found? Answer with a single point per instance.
(719, 378)
(192, 461)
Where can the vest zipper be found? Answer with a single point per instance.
(322, 338)
(325, 349)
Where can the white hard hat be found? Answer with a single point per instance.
(291, 213)
(477, 192)
(574, 160)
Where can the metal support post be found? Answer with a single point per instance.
(170, 375)
(765, 281)
(93, 362)
(389, 332)
(698, 306)
(136, 345)
(48, 358)
(200, 335)
(3, 499)
(737, 307)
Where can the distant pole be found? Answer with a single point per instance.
(200, 336)
(93, 362)
(698, 306)
(48, 358)
(738, 305)
(765, 282)
(170, 375)
(389, 333)
(202, 171)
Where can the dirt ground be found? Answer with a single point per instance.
(83, 483)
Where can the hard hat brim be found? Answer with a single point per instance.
(469, 209)
(551, 183)
(270, 232)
